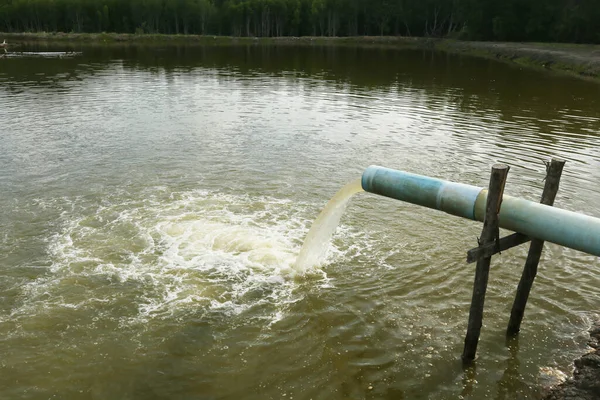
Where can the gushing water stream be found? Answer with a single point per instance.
(317, 240)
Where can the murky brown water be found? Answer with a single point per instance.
(154, 199)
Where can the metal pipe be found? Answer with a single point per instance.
(555, 225)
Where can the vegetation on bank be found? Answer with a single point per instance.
(573, 21)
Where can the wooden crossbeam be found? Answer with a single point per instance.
(489, 249)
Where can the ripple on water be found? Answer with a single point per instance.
(123, 278)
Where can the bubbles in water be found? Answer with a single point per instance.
(169, 254)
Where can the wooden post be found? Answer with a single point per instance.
(554, 171)
(489, 234)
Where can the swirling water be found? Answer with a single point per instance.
(154, 201)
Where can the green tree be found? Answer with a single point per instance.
(511, 20)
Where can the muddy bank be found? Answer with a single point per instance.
(585, 383)
(208, 39)
(579, 60)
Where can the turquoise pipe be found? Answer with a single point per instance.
(552, 224)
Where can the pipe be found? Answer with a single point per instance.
(555, 225)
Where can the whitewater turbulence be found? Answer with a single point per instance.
(317, 240)
(172, 255)
(169, 255)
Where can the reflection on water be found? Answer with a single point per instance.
(155, 199)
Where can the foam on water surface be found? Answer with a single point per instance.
(166, 255)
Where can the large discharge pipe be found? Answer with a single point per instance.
(555, 225)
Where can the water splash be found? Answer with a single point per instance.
(317, 240)
(168, 255)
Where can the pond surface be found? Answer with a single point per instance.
(154, 199)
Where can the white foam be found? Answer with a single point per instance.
(178, 252)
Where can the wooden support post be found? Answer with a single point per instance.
(489, 234)
(554, 171)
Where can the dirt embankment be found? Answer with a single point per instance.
(585, 383)
(580, 60)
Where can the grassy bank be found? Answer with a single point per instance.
(579, 60)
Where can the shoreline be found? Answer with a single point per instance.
(584, 384)
(581, 60)
(573, 59)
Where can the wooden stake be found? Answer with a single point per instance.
(489, 233)
(554, 171)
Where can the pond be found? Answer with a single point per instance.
(154, 199)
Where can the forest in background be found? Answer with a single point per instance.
(572, 21)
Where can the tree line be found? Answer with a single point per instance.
(575, 21)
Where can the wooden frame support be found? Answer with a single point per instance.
(553, 172)
(489, 249)
(489, 234)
